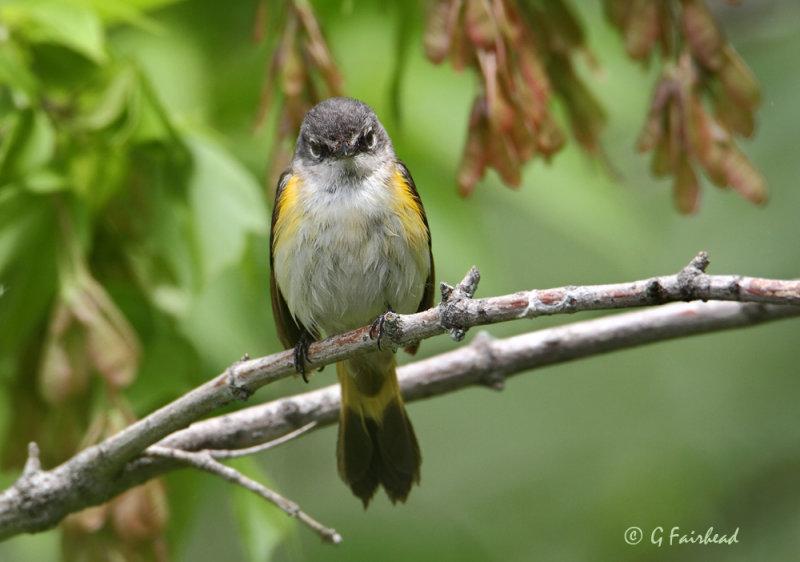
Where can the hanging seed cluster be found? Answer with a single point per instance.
(522, 55)
(87, 333)
(131, 525)
(704, 98)
(301, 71)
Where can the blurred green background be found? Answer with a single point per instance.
(694, 433)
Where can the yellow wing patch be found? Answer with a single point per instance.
(289, 211)
(409, 211)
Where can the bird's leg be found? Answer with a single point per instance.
(376, 329)
(301, 353)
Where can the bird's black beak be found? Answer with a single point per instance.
(344, 150)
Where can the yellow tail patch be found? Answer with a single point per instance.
(377, 444)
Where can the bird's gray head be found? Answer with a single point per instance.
(342, 139)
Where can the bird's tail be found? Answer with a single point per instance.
(377, 445)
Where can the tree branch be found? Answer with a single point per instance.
(206, 460)
(485, 361)
(40, 499)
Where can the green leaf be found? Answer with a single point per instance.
(130, 11)
(147, 119)
(67, 24)
(167, 352)
(227, 313)
(6, 365)
(45, 181)
(14, 70)
(227, 205)
(128, 110)
(19, 220)
(98, 173)
(27, 264)
(163, 259)
(262, 526)
(29, 145)
(165, 272)
(112, 103)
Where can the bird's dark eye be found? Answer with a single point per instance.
(315, 149)
(370, 140)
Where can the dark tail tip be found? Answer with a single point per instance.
(400, 458)
(355, 451)
(372, 453)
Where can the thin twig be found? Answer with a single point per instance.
(203, 460)
(33, 464)
(236, 453)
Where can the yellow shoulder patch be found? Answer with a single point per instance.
(409, 211)
(289, 211)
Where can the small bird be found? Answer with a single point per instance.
(349, 242)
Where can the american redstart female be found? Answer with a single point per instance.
(349, 242)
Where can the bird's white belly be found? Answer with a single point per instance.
(347, 263)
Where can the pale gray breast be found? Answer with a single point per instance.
(351, 261)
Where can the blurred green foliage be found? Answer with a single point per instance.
(133, 202)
